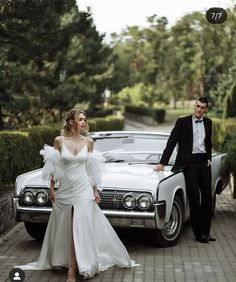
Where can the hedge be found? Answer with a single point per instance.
(156, 113)
(222, 130)
(19, 150)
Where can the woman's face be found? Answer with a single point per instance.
(81, 122)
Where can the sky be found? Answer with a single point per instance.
(115, 15)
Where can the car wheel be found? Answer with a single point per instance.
(36, 230)
(170, 235)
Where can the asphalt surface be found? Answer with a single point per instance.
(188, 261)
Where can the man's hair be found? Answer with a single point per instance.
(203, 100)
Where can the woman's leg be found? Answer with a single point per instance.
(73, 265)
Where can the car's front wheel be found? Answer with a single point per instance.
(169, 236)
(36, 230)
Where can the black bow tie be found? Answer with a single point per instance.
(196, 121)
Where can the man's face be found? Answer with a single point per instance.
(200, 109)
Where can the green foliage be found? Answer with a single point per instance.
(230, 149)
(108, 123)
(222, 130)
(179, 63)
(98, 112)
(224, 88)
(52, 57)
(38, 136)
(230, 102)
(141, 94)
(157, 114)
(16, 155)
(19, 150)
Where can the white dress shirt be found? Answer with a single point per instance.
(198, 136)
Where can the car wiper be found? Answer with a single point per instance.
(115, 161)
(143, 162)
(109, 136)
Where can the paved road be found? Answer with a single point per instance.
(188, 261)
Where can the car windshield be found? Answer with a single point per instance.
(139, 148)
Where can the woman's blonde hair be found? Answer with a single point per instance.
(70, 127)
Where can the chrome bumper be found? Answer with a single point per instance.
(134, 219)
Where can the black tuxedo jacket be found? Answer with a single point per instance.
(182, 134)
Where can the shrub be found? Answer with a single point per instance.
(230, 102)
(19, 150)
(16, 155)
(157, 114)
(230, 162)
(222, 129)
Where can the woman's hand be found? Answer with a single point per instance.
(97, 196)
(52, 196)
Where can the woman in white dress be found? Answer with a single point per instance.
(78, 235)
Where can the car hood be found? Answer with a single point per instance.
(121, 176)
(132, 177)
(31, 179)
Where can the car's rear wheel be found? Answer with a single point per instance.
(170, 235)
(36, 230)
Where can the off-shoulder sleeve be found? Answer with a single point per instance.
(95, 168)
(52, 165)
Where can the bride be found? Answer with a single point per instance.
(78, 235)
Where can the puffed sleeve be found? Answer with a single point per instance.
(95, 168)
(52, 164)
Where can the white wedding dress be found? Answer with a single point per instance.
(97, 246)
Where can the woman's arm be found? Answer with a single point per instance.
(51, 195)
(90, 143)
(57, 146)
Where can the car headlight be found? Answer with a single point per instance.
(41, 198)
(129, 201)
(144, 201)
(28, 197)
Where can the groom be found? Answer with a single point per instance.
(192, 135)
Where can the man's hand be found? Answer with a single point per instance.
(209, 163)
(159, 167)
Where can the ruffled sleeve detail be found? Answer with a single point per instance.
(52, 165)
(95, 168)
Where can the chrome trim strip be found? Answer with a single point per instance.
(129, 214)
(34, 210)
(160, 214)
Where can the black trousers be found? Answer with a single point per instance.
(198, 186)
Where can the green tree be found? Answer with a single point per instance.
(51, 57)
(230, 102)
(32, 41)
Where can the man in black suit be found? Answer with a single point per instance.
(192, 135)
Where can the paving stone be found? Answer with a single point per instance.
(188, 261)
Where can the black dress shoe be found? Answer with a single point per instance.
(211, 238)
(202, 239)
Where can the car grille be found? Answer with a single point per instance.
(112, 200)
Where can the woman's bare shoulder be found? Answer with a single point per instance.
(89, 140)
(58, 142)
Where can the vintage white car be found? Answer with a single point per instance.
(133, 195)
